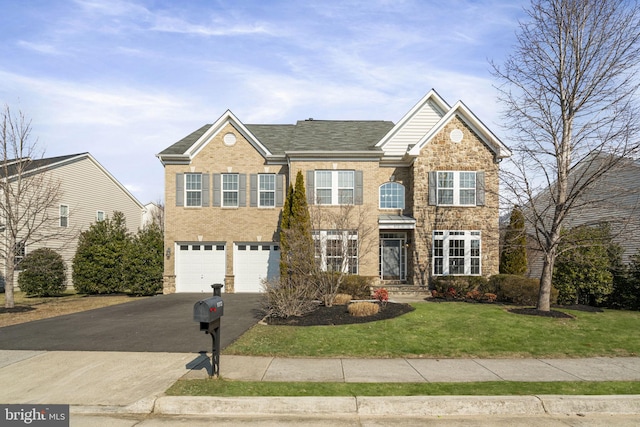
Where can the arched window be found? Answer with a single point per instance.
(391, 196)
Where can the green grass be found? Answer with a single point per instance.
(221, 387)
(454, 330)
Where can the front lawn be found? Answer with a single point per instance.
(221, 387)
(454, 330)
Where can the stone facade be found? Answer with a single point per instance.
(442, 154)
(477, 150)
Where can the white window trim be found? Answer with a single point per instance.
(223, 191)
(335, 188)
(261, 191)
(188, 190)
(344, 235)
(104, 216)
(446, 236)
(402, 206)
(65, 216)
(456, 188)
(19, 252)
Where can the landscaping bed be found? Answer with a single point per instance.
(338, 315)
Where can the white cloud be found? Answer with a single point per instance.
(45, 48)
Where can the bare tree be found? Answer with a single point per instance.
(28, 196)
(340, 253)
(570, 95)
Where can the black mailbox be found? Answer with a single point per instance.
(208, 313)
(208, 310)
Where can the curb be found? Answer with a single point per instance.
(399, 406)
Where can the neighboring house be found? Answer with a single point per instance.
(88, 193)
(153, 212)
(613, 198)
(427, 186)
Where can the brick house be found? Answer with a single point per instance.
(420, 197)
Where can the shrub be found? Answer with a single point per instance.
(143, 264)
(582, 269)
(287, 297)
(457, 287)
(97, 265)
(363, 308)
(359, 287)
(514, 289)
(626, 285)
(43, 273)
(513, 259)
(381, 295)
(481, 296)
(342, 299)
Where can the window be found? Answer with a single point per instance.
(19, 252)
(392, 196)
(456, 188)
(336, 250)
(267, 190)
(230, 186)
(456, 253)
(193, 189)
(99, 216)
(64, 215)
(334, 187)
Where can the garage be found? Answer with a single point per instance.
(254, 262)
(198, 266)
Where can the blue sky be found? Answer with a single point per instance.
(124, 79)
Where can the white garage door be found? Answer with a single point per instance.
(254, 262)
(198, 266)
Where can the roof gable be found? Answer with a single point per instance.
(461, 111)
(188, 147)
(414, 125)
(50, 163)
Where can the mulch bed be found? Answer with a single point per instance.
(535, 312)
(338, 315)
(555, 313)
(16, 309)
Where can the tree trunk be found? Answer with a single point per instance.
(544, 295)
(9, 301)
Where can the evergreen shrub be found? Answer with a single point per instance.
(516, 289)
(359, 287)
(143, 264)
(43, 273)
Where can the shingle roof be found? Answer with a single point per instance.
(12, 168)
(305, 135)
(183, 145)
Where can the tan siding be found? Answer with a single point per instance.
(85, 189)
(415, 128)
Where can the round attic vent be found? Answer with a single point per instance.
(230, 139)
(456, 135)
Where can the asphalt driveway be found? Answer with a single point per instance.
(163, 323)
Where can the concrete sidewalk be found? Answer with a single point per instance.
(134, 383)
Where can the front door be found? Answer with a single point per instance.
(392, 259)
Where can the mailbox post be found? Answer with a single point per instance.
(208, 313)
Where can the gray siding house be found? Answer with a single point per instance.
(614, 198)
(88, 193)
